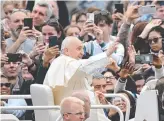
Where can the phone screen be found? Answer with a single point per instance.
(28, 22)
(53, 41)
(14, 57)
(119, 8)
(90, 17)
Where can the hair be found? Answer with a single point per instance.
(160, 87)
(16, 4)
(107, 18)
(79, 14)
(137, 77)
(98, 76)
(49, 11)
(137, 30)
(71, 26)
(109, 70)
(92, 9)
(66, 104)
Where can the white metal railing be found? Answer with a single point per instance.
(58, 107)
(127, 103)
(54, 107)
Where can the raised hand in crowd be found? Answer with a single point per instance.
(101, 97)
(157, 62)
(4, 59)
(117, 16)
(49, 54)
(24, 34)
(127, 69)
(98, 34)
(149, 26)
(112, 48)
(132, 13)
(87, 28)
(131, 54)
(113, 65)
(37, 50)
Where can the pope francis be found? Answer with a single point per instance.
(69, 72)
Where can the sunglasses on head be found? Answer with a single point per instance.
(5, 84)
(155, 40)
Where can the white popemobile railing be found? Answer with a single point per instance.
(58, 107)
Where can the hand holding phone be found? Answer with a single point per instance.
(53, 41)
(119, 8)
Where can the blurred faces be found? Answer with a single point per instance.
(117, 101)
(76, 113)
(105, 28)
(11, 69)
(4, 86)
(73, 19)
(110, 81)
(81, 21)
(25, 73)
(160, 12)
(17, 22)
(75, 49)
(99, 85)
(73, 31)
(8, 10)
(55, 8)
(140, 84)
(48, 31)
(39, 15)
(155, 41)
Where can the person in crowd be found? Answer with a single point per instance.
(41, 13)
(72, 30)
(102, 32)
(139, 81)
(81, 18)
(8, 6)
(111, 79)
(99, 83)
(113, 115)
(72, 109)
(5, 89)
(19, 34)
(160, 10)
(72, 52)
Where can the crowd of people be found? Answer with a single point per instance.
(119, 53)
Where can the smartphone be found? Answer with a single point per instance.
(148, 9)
(144, 59)
(53, 41)
(119, 8)
(90, 17)
(28, 22)
(14, 57)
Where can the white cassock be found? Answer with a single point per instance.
(66, 74)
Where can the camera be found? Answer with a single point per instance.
(144, 59)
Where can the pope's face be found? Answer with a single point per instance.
(75, 49)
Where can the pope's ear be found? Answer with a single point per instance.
(65, 51)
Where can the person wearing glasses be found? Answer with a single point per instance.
(110, 78)
(72, 109)
(5, 89)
